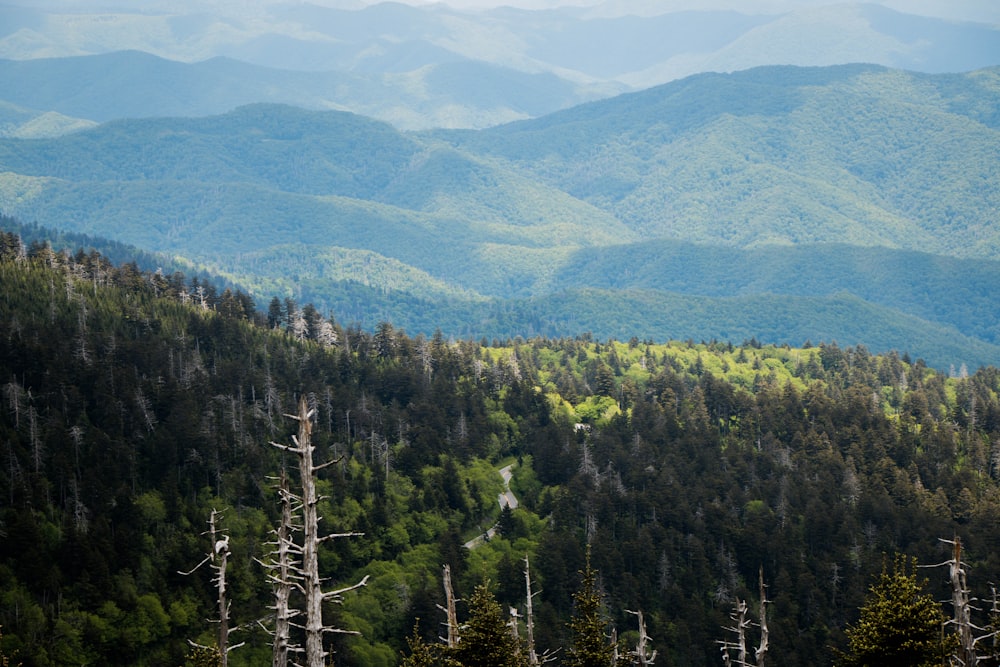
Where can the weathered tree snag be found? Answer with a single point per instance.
(739, 627)
(529, 614)
(529, 620)
(283, 575)
(762, 648)
(641, 653)
(219, 558)
(311, 583)
(449, 610)
(740, 623)
(967, 654)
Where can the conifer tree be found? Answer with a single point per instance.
(486, 639)
(422, 653)
(900, 625)
(4, 658)
(591, 645)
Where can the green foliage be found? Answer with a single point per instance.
(421, 654)
(204, 656)
(597, 409)
(5, 659)
(900, 625)
(486, 639)
(838, 225)
(591, 645)
(126, 414)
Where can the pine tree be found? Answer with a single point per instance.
(487, 640)
(204, 656)
(4, 658)
(422, 654)
(900, 625)
(591, 645)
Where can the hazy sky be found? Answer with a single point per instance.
(987, 11)
(975, 10)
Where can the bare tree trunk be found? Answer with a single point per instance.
(283, 615)
(529, 620)
(762, 648)
(529, 615)
(960, 605)
(284, 577)
(221, 552)
(739, 627)
(641, 652)
(309, 571)
(219, 558)
(449, 609)
(740, 623)
(315, 655)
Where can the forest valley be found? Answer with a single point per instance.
(683, 497)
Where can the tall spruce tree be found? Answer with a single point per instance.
(421, 653)
(487, 639)
(900, 625)
(592, 646)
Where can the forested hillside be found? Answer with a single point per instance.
(135, 403)
(781, 155)
(800, 186)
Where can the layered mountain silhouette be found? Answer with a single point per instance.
(434, 66)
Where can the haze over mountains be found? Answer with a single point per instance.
(856, 202)
(435, 66)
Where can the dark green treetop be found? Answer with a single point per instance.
(900, 625)
(591, 645)
(486, 639)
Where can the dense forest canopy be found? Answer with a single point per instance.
(136, 402)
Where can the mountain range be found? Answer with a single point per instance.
(851, 203)
(430, 66)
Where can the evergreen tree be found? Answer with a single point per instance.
(900, 625)
(591, 645)
(487, 639)
(204, 656)
(421, 653)
(275, 314)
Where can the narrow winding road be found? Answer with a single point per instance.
(506, 499)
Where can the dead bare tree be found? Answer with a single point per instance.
(529, 620)
(740, 624)
(994, 625)
(529, 616)
(515, 618)
(762, 647)
(218, 556)
(449, 610)
(640, 654)
(967, 654)
(281, 567)
(308, 569)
